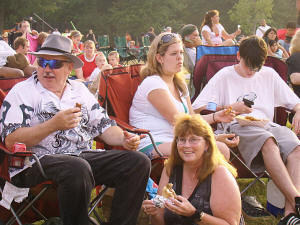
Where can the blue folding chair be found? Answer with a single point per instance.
(219, 50)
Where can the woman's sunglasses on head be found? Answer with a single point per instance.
(167, 38)
(53, 63)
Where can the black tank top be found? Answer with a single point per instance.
(199, 198)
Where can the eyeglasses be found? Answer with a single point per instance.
(53, 63)
(191, 141)
(167, 38)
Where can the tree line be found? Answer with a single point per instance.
(115, 17)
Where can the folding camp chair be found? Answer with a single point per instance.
(202, 50)
(117, 89)
(104, 46)
(7, 83)
(144, 49)
(30, 211)
(35, 207)
(122, 49)
(206, 68)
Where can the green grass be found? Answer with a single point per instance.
(260, 192)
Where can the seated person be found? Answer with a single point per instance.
(102, 64)
(31, 36)
(293, 63)
(88, 59)
(57, 119)
(114, 59)
(273, 49)
(290, 31)
(76, 36)
(133, 50)
(213, 32)
(273, 147)
(18, 65)
(91, 36)
(262, 28)
(5, 37)
(203, 181)
(41, 38)
(191, 39)
(271, 34)
(163, 94)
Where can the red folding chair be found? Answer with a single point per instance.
(117, 89)
(7, 83)
(32, 208)
(42, 202)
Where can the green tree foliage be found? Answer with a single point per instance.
(196, 10)
(13, 11)
(140, 15)
(115, 17)
(249, 13)
(283, 12)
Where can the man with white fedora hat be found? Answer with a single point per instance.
(57, 119)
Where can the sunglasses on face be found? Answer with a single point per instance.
(53, 63)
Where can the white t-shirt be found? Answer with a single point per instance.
(216, 40)
(144, 115)
(94, 74)
(192, 54)
(5, 51)
(227, 86)
(261, 30)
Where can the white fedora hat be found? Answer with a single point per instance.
(58, 45)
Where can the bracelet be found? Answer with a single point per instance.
(196, 217)
(214, 118)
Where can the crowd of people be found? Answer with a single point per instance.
(49, 120)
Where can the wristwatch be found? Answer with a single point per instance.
(196, 217)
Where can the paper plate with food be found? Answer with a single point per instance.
(251, 121)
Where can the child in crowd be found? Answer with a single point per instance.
(102, 64)
(133, 49)
(76, 36)
(114, 59)
(273, 49)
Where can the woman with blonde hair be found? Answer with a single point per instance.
(88, 59)
(293, 63)
(212, 31)
(204, 182)
(163, 94)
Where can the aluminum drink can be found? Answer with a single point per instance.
(19, 147)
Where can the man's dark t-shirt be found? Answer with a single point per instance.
(293, 63)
